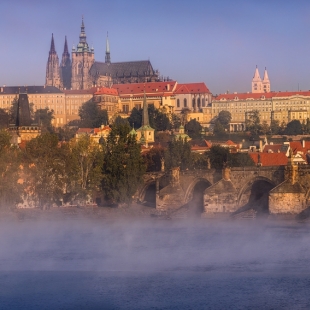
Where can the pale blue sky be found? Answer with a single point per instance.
(216, 42)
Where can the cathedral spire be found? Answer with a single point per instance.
(83, 34)
(52, 49)
(256, 82)
(266, 78)
(66, 51)
(266, 82)
(107, 51)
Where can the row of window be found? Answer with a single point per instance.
(195, 103)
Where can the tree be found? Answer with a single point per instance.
(44, 118)
(224, 119)
(193, 129)
(44, 170)
(123, 165)
(135, 118)
(265, 128)
(218, 156)
(92, 116)
(10, 187)
(218, 128)
(293, 128)
(119, 121)
(252, 122)
(153, 158)
(88, 159)
(175, 121)
(275, 127)
(178, 154)
(239, 160)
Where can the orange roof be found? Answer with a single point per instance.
(244, 96)
(96, 130)
(274, 148)
(159, 88)
(229, 142)
(192, 88)
(107, 91)
(269, 159)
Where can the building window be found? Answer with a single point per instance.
(193, 102)
(185, 103)
(178, 103)
(203, 102)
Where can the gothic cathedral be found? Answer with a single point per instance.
(84, 72)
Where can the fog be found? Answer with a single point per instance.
(125, 264)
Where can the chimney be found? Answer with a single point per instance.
(303, 143)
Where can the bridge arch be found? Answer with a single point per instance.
(147, 194)
(193, 184)
(255, 194)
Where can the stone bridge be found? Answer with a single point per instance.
(266, 190)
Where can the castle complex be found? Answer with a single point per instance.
(83, 72)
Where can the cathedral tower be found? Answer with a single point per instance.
(266, 82)
(257, 85)
(82, 60)
(52, 68)
(65, 68)
(107, 52)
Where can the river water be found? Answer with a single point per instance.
(159, 264)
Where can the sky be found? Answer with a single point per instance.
(216, 42)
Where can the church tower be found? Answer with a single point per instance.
(257, 85)
(107, 51)
(52, 68)
(266, 82)
(65, 68)
(82, 60)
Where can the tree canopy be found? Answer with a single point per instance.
(92, 116)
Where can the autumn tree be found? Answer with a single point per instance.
(252, 122)
(193, 129)
(44, 118)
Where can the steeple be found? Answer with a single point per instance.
(52, 68)
(256, 82)
(52, 49)
(266, 82)
(107, 51)
(65, 67)
(145, 115)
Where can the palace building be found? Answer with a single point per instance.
(83, 72)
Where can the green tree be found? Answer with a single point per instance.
(178, 154)
(218, 156)
(175, 121)
(224, 119)
(92, 116)
(123, 165)
(265, 128)
(88, 159)
(10, 160)
(218, 128)
(119, 122)
(44, 170)
(135, 118)
(44, 118)
(153, 158)
(252, 122)
(239, 160)
(275, 127)
(293, 128)
(193, 129)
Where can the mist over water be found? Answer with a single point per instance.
(158, 264)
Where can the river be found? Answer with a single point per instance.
(158, 264)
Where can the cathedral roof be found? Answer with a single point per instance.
(30, 90)
(122, 69)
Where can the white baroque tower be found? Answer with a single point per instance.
(259, 85)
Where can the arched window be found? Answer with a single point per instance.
(193, 102)
(185, 103)
(203, 102)
(198, 102)
(178, 103)
(79, 68)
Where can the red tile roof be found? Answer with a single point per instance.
(154, 88)
(270, 159)
(244, 96)
(272, 148)
(107, 91)
(192, 88)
